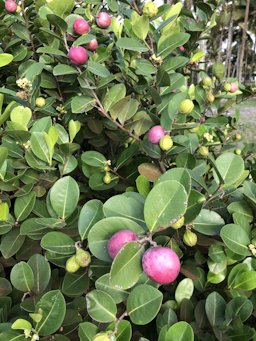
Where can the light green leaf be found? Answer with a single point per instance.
(22, 277)
(115, 93)
(5, 59)
(100, 306)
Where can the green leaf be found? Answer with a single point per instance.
(87, 331)
(24, 205)
(126, 267)
(60, 7)
(178, 174)
(140, 25)
(238, 307)
(75, 284)
(5, 59)
(51, 50)
(42, 272)
(11, 243)
(58, 242)
(53, 307)
(63, 69)
(249, 191)
(180, 331)
(124, 109)
(143, 185)
(83, 39)
(21, 115)
(39, 146)
(215, 306)
(165, 202)
(55, 20)
(195, 204)
(114, 95)
(100, 306)
(22, 277)
(131, 44)
(103, 230)
(22, 324)
(208, 223)
(184, 290)
(236, 239)
(118, 294)
(166, 46)
(246, 281)
(80, 104)
(94, 159)
(124, 205)
(97, 69)
(73, 128)
(64, 196)
(143, 304)
(230, 167)
(90, 214)
(4, 211)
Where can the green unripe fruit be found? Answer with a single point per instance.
(227, 87)
(166, 142)
(179, 223)
(210, 97)
(83, 258)
(107, 178)
(107, 168)
(150, 9)
(218, 70)
(190, 238)
(186, 106)
(72, 265)
(40, 102)
(238, 151)
(207, 81)
(204, 151)
(104, 336)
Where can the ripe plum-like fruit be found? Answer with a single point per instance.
(81, 26)
(119, 240)
(234, 87)
(10, 6)
(155, 134)
(103, 20)
(182, 48)
(78, 55)
(161, 264)
(93, 44)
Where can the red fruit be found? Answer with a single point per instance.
(161, 264)
(103, 19)
(118, 241)
(234, 87)
(10, 6)
(182, 48)
(70, 37)
(155, 134)
(81, 26)
(93, 44)
(78, 55)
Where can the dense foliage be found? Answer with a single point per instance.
(80, 164)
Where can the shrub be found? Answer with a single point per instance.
(77, 167)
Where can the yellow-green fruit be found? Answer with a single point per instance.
(186, 106)
(166, 142)
(72, 265)
(150, 9)
(18, 9)
(238, 136)
(207, 81)
(190, 238)
(227, 87)
(210, 97)
(204, 151)
(218, 70)
(107, 178)
(107, 168)
(104, 337)
(83, 258)
(40, 102)
(179, 223)
(238, 151)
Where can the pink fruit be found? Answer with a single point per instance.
(182, 48)
(161, 264)
(93, 44)
(10, 6)
(70, 37)
(155, 134)
(234, 87)
(78, 55)
(81, 26)
(103, 19)
(118, 241)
